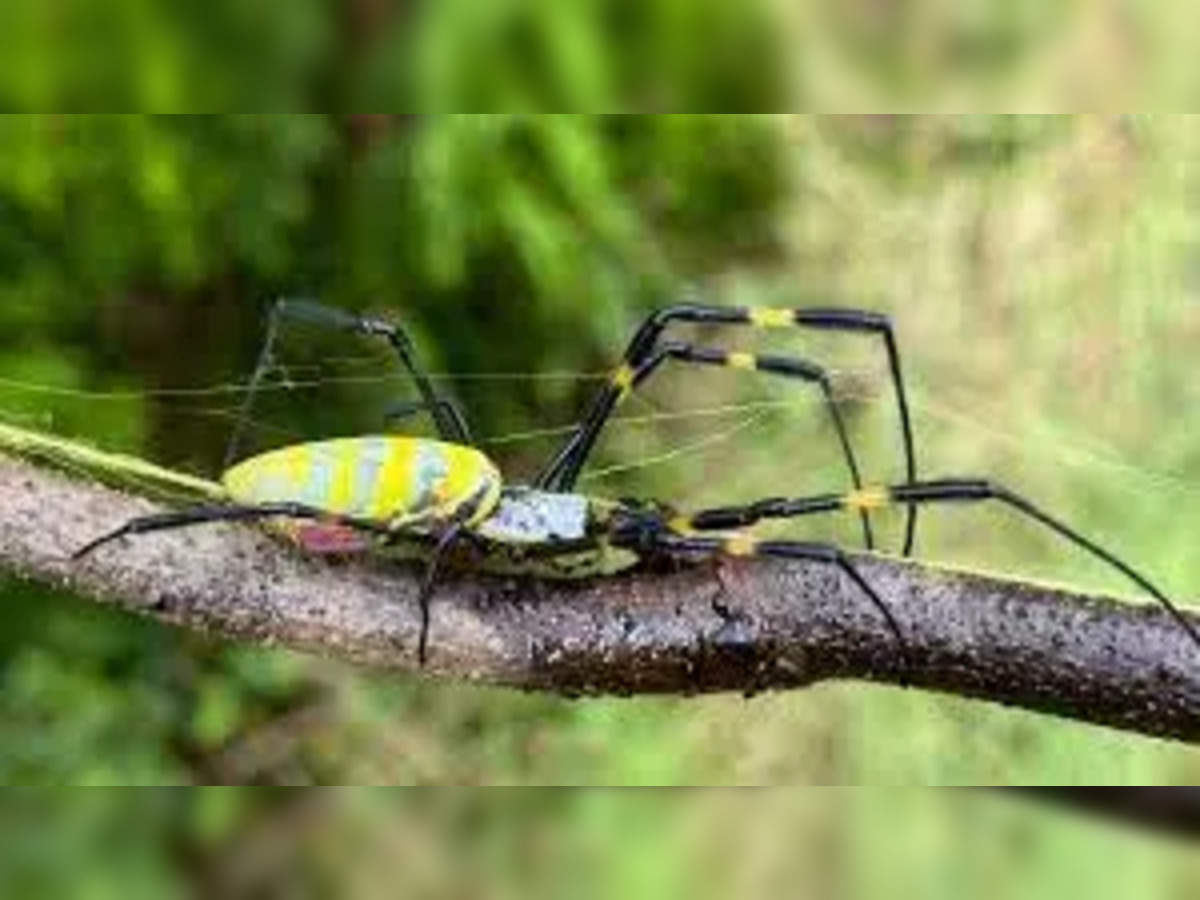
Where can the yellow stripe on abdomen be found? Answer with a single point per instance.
(343, 479)
(294, 471)
(463, 471)
(394, 489)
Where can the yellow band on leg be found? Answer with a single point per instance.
(681, 525)
(622, 380)
(767, 317)
(741, 545)
(867, 499)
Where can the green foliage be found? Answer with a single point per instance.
(92, 697)
(207, 194)
(551, 225)
(587, 56)
(79, 55)
(915, 47)
(913, 150)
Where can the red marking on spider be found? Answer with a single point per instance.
(329, 539)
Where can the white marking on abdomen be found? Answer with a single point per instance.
(366, 475)
(428, 474)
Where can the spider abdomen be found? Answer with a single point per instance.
(386, 479)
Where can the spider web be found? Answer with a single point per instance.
(721, 429)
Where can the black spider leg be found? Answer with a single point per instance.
(450, 423)
(742, 545)
(941, 491)
(444, 542)
(201, 515)
(409, 408)
(266, 362)
(789, 367)
(449, 420)
(564, 468)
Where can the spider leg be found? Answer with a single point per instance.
(451, 425)
(743, 545)
(565, 466)
(927, 492)
(449, 420)
(200, 515)
(266, 361)
(789, 367)
(409, 408)
(447, 539)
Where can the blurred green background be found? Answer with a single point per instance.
(1042, 272)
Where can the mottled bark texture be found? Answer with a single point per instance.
(744, 626)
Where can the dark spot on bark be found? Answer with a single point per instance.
(628, 623)
(734, 637)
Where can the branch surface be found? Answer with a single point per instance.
(748, 626)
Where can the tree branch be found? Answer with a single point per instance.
(743, 626)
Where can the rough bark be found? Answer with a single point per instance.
(746, 626)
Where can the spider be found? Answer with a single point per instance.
(423, 495)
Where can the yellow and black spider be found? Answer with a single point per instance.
(424, 495)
